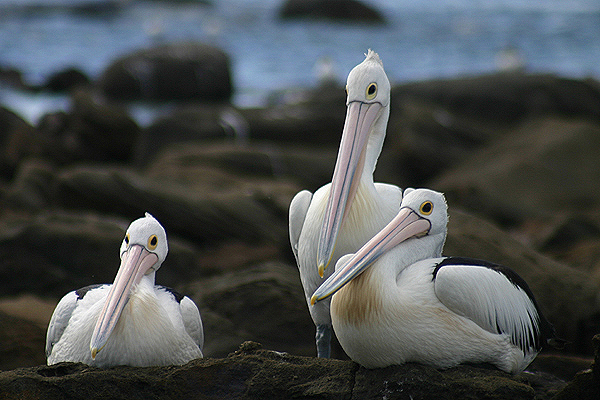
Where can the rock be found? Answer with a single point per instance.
(207, 216)
(507, 98)
(586, 385)
(31, 187)
(93, 130)
(64, 81)
(567, 297)
(529, 174)
(262, 302)
(181, 71)
(344, 10)
(55, 253)
(253, 164)
(192, 123)
(21, 343)
(18, 139)
(315, 117)
(254, 373)
(435, 125)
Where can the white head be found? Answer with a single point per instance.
(148, 233)
(367, 114)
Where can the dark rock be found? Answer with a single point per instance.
(530, 174)
(31, 188)
(201, 122)
(183, 71)
(58, 252)
(263, 302)
(233, 164)
(21, 343)
(586, 385)
(93, 130)
(63, 81)
(338, 10)
(253, 373)
(316, 117)
(207, 216)
(18, 139)
(508, 98)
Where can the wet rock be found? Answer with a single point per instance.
(180, 71)
(437, 124)
(508, 98)
(31, 187)
(254, 373)
(345, 10)
(313, 117)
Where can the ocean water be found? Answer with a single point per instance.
(421, 40)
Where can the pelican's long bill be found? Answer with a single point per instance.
(360, 118)
(405, 225)
(135, 263)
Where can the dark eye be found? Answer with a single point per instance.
(371, 91)
(127, 239)
(152, 242)
(426, 208)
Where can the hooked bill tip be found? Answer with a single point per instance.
(94, 352)
(322, 269)
(313, 300)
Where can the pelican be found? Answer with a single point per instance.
(342, 215)
(131, 322)
(393, 304)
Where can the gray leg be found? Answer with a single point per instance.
(323, 340)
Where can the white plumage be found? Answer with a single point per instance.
(132, 321)
(341, 216)
(395, 300)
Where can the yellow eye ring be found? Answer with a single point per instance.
(152, 242)
(127, 239)
(426, 208)
(371, 91)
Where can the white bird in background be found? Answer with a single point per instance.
(131, 322)
(395, 304)
(341, 216)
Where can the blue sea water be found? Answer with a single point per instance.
(422, 39)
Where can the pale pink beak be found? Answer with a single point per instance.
(405, 225)
(360, 118)
(135, 263)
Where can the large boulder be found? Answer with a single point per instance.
(178, 71)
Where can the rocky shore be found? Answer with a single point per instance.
(515, 154)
